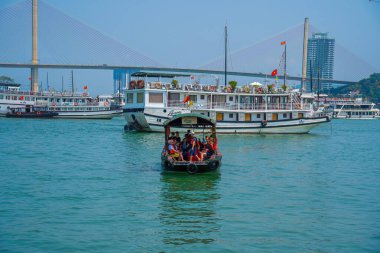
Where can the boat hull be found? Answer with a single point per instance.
(90, 114)
(31, 115)
(211, 165)
(141, 121)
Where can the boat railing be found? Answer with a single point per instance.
(46, 103)
(44, 93)
(239, 106)
(211, 88)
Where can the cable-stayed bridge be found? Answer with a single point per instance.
(65, 42)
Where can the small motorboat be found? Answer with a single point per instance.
(30, 112)
(187, 161)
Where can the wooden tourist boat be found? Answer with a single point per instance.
(181, 122)
(30, 112)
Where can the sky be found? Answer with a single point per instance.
(190, 33)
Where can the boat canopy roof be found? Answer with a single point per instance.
(189, 120)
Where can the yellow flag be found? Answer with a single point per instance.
(190, 103)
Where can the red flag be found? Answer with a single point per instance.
(274, 72)
(85, 87)
(283, 42)
(192, 77)
(187, 98)
(21, 98)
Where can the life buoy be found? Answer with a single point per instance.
(53, 104)
(264, 123)
(76, 104)
(192, 168)
(106, 103)
(38, 113)
(140, 84)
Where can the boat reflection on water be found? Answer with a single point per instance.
(188, 208)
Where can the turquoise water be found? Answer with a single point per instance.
(85, 186)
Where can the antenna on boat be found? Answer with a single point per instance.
(62, 85)
(225, 56)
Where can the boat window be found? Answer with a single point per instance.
(202, 97)
(284, 115)
(155, 97)
(129, 98)
(140, 97)
(230, 99)
(231, 115)
(173, 96)
(258, 116)
(193, 98)
(219, 98)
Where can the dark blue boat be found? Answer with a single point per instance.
(181, 122)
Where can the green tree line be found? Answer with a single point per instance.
(369, 88)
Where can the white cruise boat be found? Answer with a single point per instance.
(66, 104)
(248, 109)
(353, 108)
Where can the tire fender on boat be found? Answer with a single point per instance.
(213, 165)
(264, 123)
(192, 168)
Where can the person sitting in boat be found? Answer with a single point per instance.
(173, 152)
(207, 149)
(185, 146)
(214, 142)
(177, 138)
(194, 148)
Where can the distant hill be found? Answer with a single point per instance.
(368, 88)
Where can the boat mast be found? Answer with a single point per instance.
(225, 56)
(119, 102)
(318, 75)
(285, 67)
(311, 78)
(72, 81)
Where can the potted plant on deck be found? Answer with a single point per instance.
(233, 85)
(175, 83)
(270, 88)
